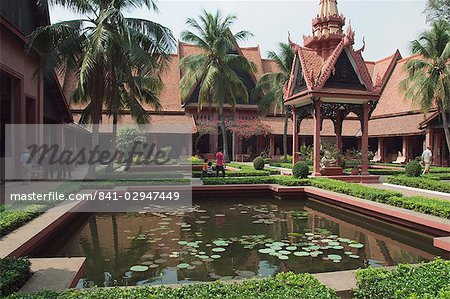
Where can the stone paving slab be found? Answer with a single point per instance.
(55, 274)
(19, 241)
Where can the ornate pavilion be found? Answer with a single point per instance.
(330, 80)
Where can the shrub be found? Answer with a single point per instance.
(258, 163)
(422, 183)
(428, 280)
(431, 206)
(300, 170)
(282, 180)
(13, 275)
(283, 285)
(413, 169)
(127, 137)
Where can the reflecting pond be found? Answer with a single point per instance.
(230, 238)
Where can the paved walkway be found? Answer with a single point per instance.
(409, 192)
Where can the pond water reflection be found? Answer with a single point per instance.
(232, 238)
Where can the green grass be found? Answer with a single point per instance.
(420, 182)
(283, 285)
(426, 281)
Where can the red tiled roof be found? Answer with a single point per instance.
(393, 100)
(158, 123)
(399, 125)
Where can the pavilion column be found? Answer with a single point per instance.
(381, 148)
(405, 147)
(272, 145)
(316, 138)
(338, 132)
(365, 140)
(294, 136)
(428, 137)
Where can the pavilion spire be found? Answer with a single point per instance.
(328, 8)
(327, 28)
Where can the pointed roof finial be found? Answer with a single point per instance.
(328, 8)
(291, 43)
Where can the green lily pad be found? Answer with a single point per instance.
(354, 256)
(301, 253)
(266, 250)
(216, 256)
(183, 266)
(218, 249)
(283, 257)
(139, 268)
(356, 245)
(334, 257)
(291, 248)
(338, 247)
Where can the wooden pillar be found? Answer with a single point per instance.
(338, 130)
(381, 148)
(428, 137)
(294, 136)
(405, 144)
(316, 139)
(365, 140)
(272, 145)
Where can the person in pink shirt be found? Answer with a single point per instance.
(219, 163)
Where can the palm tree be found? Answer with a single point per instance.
(115, 59)
(269, 89)
(217, 70)
(428, 81)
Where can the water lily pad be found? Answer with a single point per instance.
(218, 249)
(301, 253)
(284, 252)
(356, 245)
(152, 266)
(216, 256)
(266, 250)
(283, 257)
(183, 265)
(291, 248)
(160, 261)
(139, 268)
(354, 256)
(338, 247)
(334, 257)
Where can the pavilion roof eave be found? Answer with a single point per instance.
(304, 98)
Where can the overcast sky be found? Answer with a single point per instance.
(386, 25)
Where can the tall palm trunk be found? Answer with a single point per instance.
(445, 125)
(110, 167)
(94, 142)
(285, 132)
(224, 137)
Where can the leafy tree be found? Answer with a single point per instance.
(428, 81)
(217, 70)
(115, 60)
(438, 9)
(269, 89)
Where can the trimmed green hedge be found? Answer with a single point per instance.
(282, 180)
(353, 189)
(14, 272)
(431, 206)
(283, 285)
(10, 220)
(429, 280)
(420, 182)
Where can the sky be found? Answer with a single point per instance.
(386, 25)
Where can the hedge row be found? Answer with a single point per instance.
(241, 173)
(14, 272)
(429, 280)
(282, 180)
(353, 189)
(431, 206)
(436, 207)
(420, 182)
(283, 285)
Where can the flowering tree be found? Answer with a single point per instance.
(248, 128)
